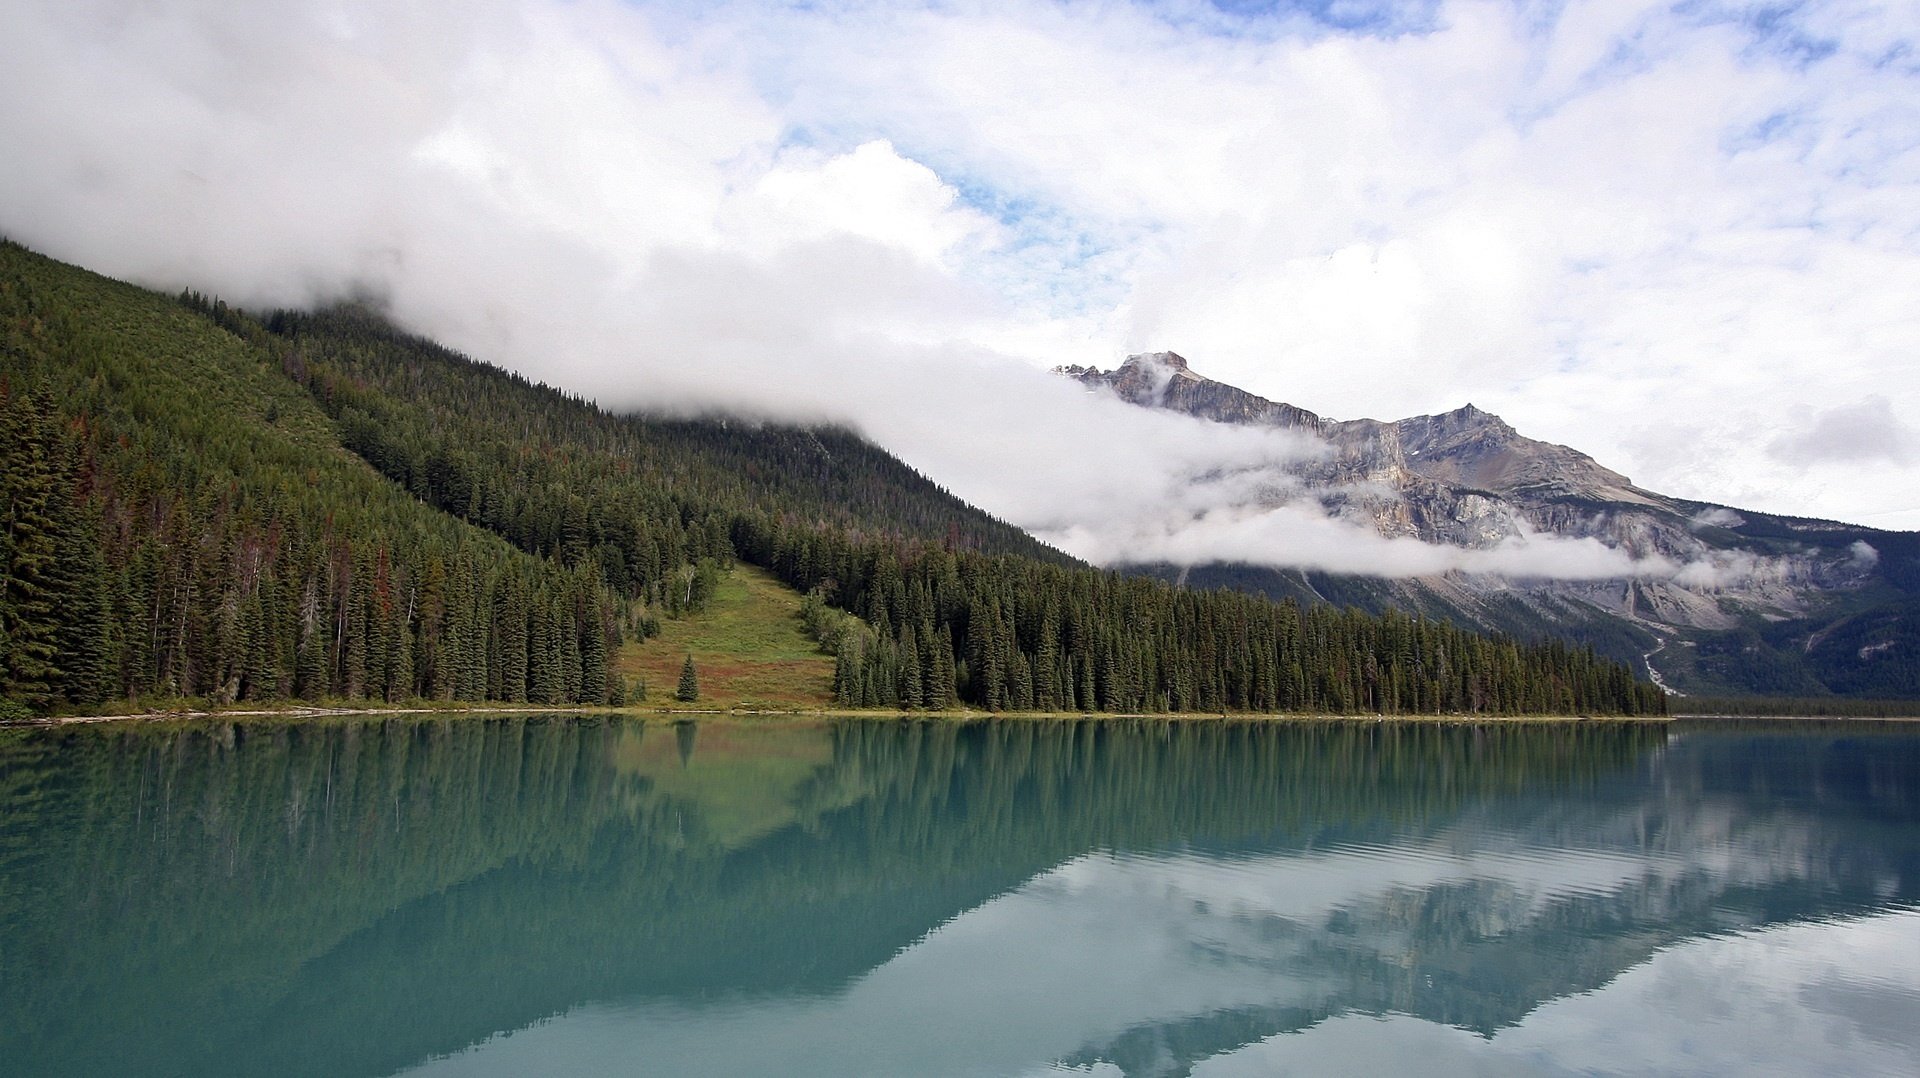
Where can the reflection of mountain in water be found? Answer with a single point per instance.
(354, 898)
(1533, 897)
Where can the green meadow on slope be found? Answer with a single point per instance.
(749, 646)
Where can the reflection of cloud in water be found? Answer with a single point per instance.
(1109, 953)
(1309, 886)
(1839, 997)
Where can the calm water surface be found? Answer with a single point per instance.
(557, 896)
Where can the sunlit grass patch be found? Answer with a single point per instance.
(749, 649)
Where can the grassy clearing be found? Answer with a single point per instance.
(749, 649)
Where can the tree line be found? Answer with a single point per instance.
(937, 627)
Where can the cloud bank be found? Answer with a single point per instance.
(1683, 239)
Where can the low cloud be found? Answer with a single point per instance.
(1863, 433)
(1300, 536)
(1717, 517)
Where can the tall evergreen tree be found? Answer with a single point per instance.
(689, 688)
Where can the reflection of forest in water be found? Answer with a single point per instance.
(351, 897)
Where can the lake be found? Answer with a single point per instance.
(602, 895)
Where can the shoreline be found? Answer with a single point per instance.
(299, 712)
(673, 714)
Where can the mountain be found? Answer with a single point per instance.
(202, 503)
(1746, 603)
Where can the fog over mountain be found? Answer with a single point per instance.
(1682, 240)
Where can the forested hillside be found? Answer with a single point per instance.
(182, 521)
(561, 478)
(200, 503)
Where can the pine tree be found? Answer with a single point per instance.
(941, 681)
(510, 631)
(28, 601)
(689, 689)
(400, 650)
(594, 682)
(359, 599)
(86, 634)
(544, 672)
(310, 671)
(846, 675)
(912, 686)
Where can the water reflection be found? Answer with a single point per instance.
(585, 896)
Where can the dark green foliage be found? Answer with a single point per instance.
(689, 688)
(1868, 654)
(1035, 635)
(648, 500)
(1863, 643)
(1795, 707)
(55, 599)
(161, 537)
(1873, 654)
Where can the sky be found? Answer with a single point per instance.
(1681, 237)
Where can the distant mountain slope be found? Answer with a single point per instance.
(546, 469)
(1757, 608)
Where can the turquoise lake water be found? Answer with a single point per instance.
(593, 896)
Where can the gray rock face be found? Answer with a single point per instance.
(1467, 479)
(1464, 478)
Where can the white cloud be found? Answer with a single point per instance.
(1863, 433)
(1656, 236)
(1300, 535)
(1632, 219)
(871, 192)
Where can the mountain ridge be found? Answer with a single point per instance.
(1469, 480)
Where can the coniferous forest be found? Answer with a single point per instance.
(200, 502)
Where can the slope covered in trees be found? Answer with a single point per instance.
(181, 520)
(639, 495)
(1009, 634)
(201, 503)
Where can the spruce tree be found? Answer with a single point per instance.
(29, 602)
(689, 689)
(594, 683)
(544, 670)
(846, 674)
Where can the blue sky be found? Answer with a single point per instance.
(1683, 237)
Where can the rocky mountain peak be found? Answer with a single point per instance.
(1174, 360)
(1449, 430)
(1164, 380)
(1440, 469)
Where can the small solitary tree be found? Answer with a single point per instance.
(689, 689)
